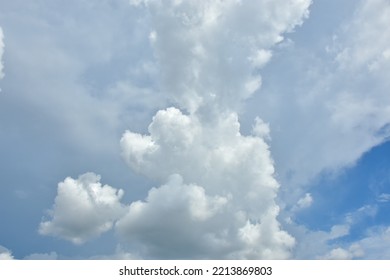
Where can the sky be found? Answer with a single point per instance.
(185, 129)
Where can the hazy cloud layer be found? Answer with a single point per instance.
(83, 209)
(1, 53)
(375, 245)
(328, 105)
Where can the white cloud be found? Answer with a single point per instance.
(338, 231)
(260, 58)
(316, 244)
(176, 220)
(384, 197)
(218, 190)
(233, 36)
(305, 201)
(221, 205)
(217, 198)
(374, 245)
(354, 251)
(326, 110)
(367, 25)
(83, 209)
(333, 243)
(5, 254)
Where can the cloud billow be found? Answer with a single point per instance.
(227, 176)
(208, 54)
(218, 187)
(83, 209)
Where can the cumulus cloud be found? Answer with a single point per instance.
(221, 202)
(175, 220)
(207, 49)
(83, 209)
(5, 254)
(217, 190)
(208, 52)
(211, 56)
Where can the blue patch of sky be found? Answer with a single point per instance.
(366, 184)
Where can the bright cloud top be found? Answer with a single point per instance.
(221, 205)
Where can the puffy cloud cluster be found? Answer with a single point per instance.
(83, 209)
(210, 53)
(217, 198)
(218, 201)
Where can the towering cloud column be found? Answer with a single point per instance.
(218, 190)
(218, 194)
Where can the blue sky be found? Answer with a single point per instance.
(194, 129)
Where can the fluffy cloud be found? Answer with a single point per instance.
(5, 254)
(83, 209)
(208, 49)
(176, 220)
(221, 202)
(209, 53)
(217, 198)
